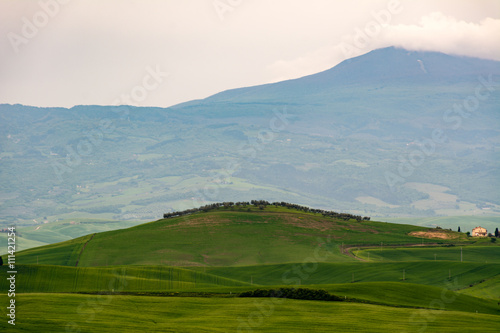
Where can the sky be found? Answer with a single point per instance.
(161, 53)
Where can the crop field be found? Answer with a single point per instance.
(487, 288)
(483, 254)
(104, 313)
(184, 274)
(230, 238)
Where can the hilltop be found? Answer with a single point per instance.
(231, 235)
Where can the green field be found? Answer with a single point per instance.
(419, 288)
(486, 288)
(466, 223)
(227, 237)
(483, 254)
(184, 274)
(103, 313)
(58, 231)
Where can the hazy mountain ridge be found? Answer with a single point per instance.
(383, 66)
(335, 135)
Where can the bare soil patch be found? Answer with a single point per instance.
(433, 234)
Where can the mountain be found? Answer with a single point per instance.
(389, 133)
(388, 66)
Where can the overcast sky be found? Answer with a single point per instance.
(66, 53)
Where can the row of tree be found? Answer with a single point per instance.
(263, 204)
(293, 293)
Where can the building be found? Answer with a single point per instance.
(479, 232)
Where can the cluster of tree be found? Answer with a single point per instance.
(205, 208)
(293, 293)
(344, 216)
(262, 204)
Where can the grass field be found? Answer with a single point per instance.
(179, 281)
(489, 288)
(466, 223)
(483, 254)
(42, 278)
(228, 238)
(104, 313)
(184, 275)
(447, 275)
(59, 231)
(427, 273)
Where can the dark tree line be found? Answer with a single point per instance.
(262, 204)
(293, 293)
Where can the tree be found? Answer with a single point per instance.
(496, 233)
(468, 233)
(493, 239)
(1, 261)
(459, 229)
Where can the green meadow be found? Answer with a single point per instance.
(184, 274)
(91, 313)
(484, 254)
(225, 237)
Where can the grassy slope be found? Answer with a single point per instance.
(483, 254)
(376, 282)
(227, 238)
(91, 313)
(43, 278)
(59, 231)
(50, 279)
(426, 273)
(487, 289)
(64, 253)
(466, 223)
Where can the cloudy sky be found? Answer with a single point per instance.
(160, 53)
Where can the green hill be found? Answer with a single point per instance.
(234, 236)
(486, 288)
(59, 231)
(202, 260)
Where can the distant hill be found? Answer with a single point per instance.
(356, 138)
(230, 236)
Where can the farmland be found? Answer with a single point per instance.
(184, 274)
(87, 313)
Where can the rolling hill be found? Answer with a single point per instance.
(227, 236)
(184, 268)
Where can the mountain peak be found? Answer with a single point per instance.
(394, 64)
(387, 66)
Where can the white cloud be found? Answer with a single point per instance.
(434, 32)
(438, 32)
